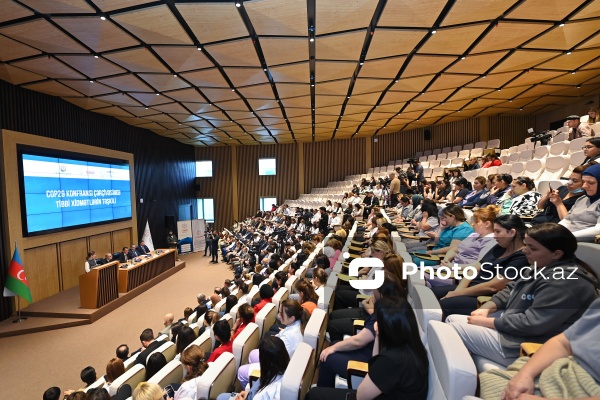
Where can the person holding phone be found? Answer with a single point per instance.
(557, 202)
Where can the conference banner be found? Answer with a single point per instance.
(184, 234)
(199, 241)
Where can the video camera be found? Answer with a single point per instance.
(542, 137)
(412, 160)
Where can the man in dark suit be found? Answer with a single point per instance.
(108, 257)
(148, 346)
(133, 252)
(324, 221)
(142, 249)
(123, 256)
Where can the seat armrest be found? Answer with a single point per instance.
(481, 300)
(528, 349)
(357, 325)
(356, 371)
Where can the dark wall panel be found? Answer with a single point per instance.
(331, 161)
(219, 186)
(164, 168)
(251, 186)
(511, 131)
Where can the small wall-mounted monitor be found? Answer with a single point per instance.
(204, 169)
(267, 166)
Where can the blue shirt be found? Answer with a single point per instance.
(451, 233)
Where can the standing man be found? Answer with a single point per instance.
(214, 249)
(208, 240)
(418, 170)
(394, 189)
(172, 242)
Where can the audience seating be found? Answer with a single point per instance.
(266, 318)
(170, 373)
(244, 343)
(299, 373)
(452, 373)
(204, 341)
(590, 254)
(555, 168)
(281, 295)
(426, 307)
(132, 377)
(217, 378)
(314, 332)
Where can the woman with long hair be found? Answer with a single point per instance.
(245, 315)
(192, 359)
(523, 198)
(114, 369)
(294, 317)
(273, 361)
(470, 200)
(548, 298)
(399, 367)
(307, 296)
(507, 254)
(184, 339)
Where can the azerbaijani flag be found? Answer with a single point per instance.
(16, 281)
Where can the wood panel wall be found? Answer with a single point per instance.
(42, 271)
(399, 145)
(120, 239)
(101, 244)
(218, 187)
(72, 260)
(164, 170)
(511, 131)
(331, 161)
(251, 186)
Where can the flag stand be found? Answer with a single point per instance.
(19, 318)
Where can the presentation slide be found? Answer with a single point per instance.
(63, 193)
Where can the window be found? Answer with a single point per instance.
(206, 210)
(267, 166)
(204, 169)
(267, 202)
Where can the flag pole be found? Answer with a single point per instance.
(19, 319)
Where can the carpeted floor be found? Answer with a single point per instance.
(30, 364)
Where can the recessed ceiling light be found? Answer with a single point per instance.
(312, 39)
(238, 3)
(433, 32)
(199, 48)
(91, 81)
(95, 55)
(463, 57)
(561, 24)
(569, 52)
(157, 94)
(103, 18)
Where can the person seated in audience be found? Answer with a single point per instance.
(456, 229)
(319, 279)
(591, 150)
(123, 256)
(507, 254)
(185, 337)
(142, 249)
(574, 349)
(222, 333)
(454, 175)
(404, 209)
(280, 280)
(192, 359)
(167, 323)
(470, 199)
(398, 366)
(576, 128)
(523, 199)
(442, 190)
(591, 118)
(266, 294)
(243, 288)
(122, 352)
(53, 393)
(415, 201)
(175, 328)
(201, 308)
(557, 202)
(88, 376)
(156, 361)
(428, 224)
(294, 317)
(245, 315)
(149, 344)
(474, 247)
(306, 295)
(147, 391)
(210, 318)
(487, 190)
(429, 190)
(538, 305)
(230, 302)
(114, 369)
(471, 164)
(492, 161)
(583, 219)
(460, 191)
(500, 190)
(273, 362)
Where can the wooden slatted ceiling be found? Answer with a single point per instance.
(214, 46)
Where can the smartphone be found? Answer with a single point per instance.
(550, 186)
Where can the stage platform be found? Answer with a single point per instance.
(63, 309)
